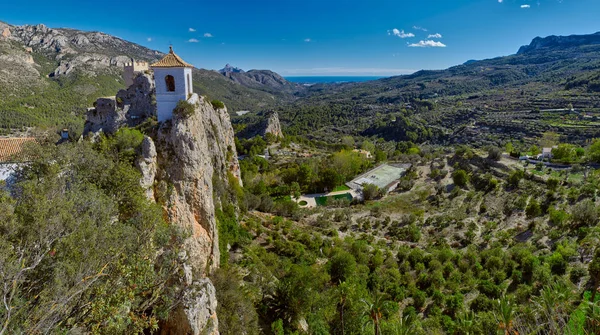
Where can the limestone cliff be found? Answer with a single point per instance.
(271, 125)
(73, 49)
(179, 163)
(191, 151)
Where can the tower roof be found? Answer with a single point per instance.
(171, 60)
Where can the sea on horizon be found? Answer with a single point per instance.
(311, 80)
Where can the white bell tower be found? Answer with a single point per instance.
(173, 80)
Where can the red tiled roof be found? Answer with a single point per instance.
(11, 147)
(171, 60)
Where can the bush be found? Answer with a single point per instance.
(585, 213)
(515, 178)
(533, 209)
(371, 192)
(184, 109)
(460, 178)
(217, 104)
(494, 153)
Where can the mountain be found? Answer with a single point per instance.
(499, 94)
(50, 76)
(261, 80)
(560, 42)
(230, 69)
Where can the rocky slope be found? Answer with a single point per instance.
(262, 80)
(48, 76)
(179, 164)
(192, 152)
(560, 42)
(272, 125)
(74, 49)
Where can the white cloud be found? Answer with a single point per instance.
(428, 44)
(400, 33)
(193, 40)
(419, 28)
(208, 35)
(307, 40)
(525, 6)
(436, 35)
(500, 1)
(149, 39)
(191, 30)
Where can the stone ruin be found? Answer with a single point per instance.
(129, 107)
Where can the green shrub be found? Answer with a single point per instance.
(460, 178)
(217, 104)
(184, 109)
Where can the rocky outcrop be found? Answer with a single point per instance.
(198, 312)
(272, 125)
(261, 79)
(130, 107)
(147, 165)
(192, 152)
(104, 117)
(138, 98)
(78, 50)
(560, 42)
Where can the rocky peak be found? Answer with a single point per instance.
(560, 42)
(230, 69)
(272, 125)
(90, 52)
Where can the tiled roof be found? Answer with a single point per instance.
(171, 60)
(11, 147)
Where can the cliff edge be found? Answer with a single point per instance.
(191, 152)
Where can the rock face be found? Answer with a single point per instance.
(138, 98)
(192, 152)
(261, 79)
(130, 107)
(178, 169)
(147, 164)
(104, 117)
(73, 49)
(560, 42)
(272, 125)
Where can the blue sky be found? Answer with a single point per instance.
(321, 37)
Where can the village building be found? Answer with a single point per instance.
(173, 80)
(11, 154)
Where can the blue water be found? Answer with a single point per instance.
(331, 79)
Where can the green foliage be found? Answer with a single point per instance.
(585, 213)
(88, 241)
(533, 209)
(515, 178)
(217, 104)
(232, 297)
(494, 153)
(371, 192)
(184, 109)
(460, 178)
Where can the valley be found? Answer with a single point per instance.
(456, 201)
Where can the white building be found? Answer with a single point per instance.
(173, 79)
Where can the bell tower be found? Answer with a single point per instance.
(173, 80)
